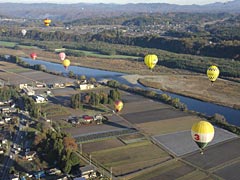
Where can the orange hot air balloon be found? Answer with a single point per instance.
(66, 63)
(47, 21)
(33, 56)
(62, 55)
(118, 105)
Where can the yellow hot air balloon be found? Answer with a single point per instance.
(150, 60)
(202, 133)
(118, 105)
(213, 73)
(66, 63)
(47, 21)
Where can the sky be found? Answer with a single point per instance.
(180, 2)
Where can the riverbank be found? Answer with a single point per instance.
(222, 92)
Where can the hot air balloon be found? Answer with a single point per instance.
(47, 21)
(118, 105)
(150, 60)
(24, 31)
(33, 56)
(62, 55)
(202, 133)
(213, 73)
(66, 63)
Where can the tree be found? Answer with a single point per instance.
(71, 74)
(76, 101)
(92, 80)
(83, 77)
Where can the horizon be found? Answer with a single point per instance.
(122, 2)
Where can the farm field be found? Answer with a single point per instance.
(154, 115)
(181, 143)
(130, 158)
(168, 126)
(16, 75)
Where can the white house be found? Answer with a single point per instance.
(86, 86)
(39, 99)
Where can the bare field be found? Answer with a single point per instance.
(230, 172)
(142, 106)
(168, 126)
(101, 145)
(154, 115)
(181, 143)
(121, 158)
(222, 92)
(16, 74)
(217, 155)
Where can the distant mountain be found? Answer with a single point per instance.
(65, 12)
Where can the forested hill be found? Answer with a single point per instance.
(67, 12)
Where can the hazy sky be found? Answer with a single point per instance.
(182, 2)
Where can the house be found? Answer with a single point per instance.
(30, 155)
(88, 172)
(7, 119)
(21, 86)
(86, 86)
(2, 122)
(29, 91)
(87, 118)
(5, 109)
(1, 151)
(39, 99)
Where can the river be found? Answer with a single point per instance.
(232, 115)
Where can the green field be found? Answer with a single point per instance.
(7, 44)
(98, 55)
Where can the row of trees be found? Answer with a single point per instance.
(95, 98)
(175, 102)
(57, 148)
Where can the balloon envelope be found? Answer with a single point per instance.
(66, 63)
(202, 133)
(33, 56)
(118, 105)
(47, 21)
(62, 56)
(213, 73)
(151, 60)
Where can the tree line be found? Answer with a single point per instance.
(94, 98)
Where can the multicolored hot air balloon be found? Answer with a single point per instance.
(33, 56)
(47, 21)
(24, 32)
(66, 63)
(202, 133)
(151, 60)
(213, 73)
(62, 55)
(118, 105)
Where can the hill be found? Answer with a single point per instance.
(65, 12)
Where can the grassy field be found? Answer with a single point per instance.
(7, 44)
(168, 171)
(98, 55)
(130, 158)
(101, 145)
